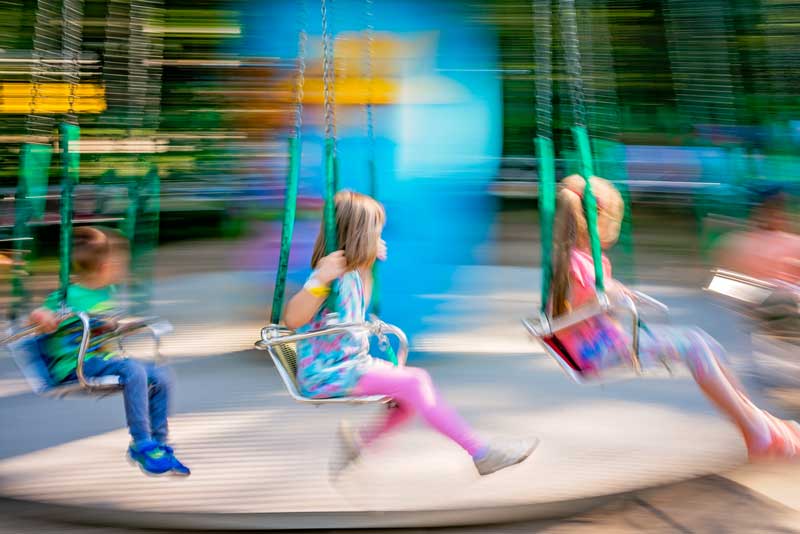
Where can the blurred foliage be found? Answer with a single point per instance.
(754, 42)
(224, 115)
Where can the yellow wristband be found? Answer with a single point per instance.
(319, 291)
(316, 289)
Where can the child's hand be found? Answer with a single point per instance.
(331, 267)
(382, 250)
(46, 320)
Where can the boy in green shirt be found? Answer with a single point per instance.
(100, 259)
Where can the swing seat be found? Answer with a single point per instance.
(739, 288)
(26, 350)
(546, 332)
(281, 344)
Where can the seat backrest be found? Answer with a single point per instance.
(27, 354)
(287, 355)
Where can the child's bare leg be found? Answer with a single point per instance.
(763, 433)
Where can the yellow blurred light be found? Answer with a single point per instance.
(16, 98)
(353, 91)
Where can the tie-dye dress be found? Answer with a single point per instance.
(330, 366)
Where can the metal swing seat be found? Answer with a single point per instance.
(547, 331)
(281, 344)
(774, 309)
(26, 350)
(279, 341)
(739, 288)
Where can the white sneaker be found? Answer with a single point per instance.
(346, 451)
(506, 455)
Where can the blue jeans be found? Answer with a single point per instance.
(146, 392)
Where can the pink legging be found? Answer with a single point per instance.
(413, 391)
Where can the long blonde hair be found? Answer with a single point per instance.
(570, 230)
(359, 222)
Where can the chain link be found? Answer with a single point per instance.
(328, 77)
(137, 71)
(369, 76)
(35, 67)
(602, 102)
(543, 70)
(302, 40)
(45, 40)
(572, 56)
(72, 37)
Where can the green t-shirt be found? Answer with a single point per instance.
(61, 347)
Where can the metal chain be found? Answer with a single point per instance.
(115, 65)
(369, 75)
(137, 71)
(36, 67)
(328, 77)
(543, 69)
(45, 42)
(154, 56)
(698, 44)
(72, 37)
(302, 39)
(601, 93)
(572, 53)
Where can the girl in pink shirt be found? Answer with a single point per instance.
(603, 342)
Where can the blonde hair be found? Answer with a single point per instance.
(92, 246)
(570, 230)
(359, 222)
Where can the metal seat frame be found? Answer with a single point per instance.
(88, 386)
(545, 330)
(740, 288)
(275, 336)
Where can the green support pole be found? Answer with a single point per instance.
(547, 211)
(132, 212)
(22, 217)
(70, 171)
(590, 203)
(331, 244)
(29, 203)
(289, 211)
(143, 230)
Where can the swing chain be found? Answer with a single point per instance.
(35, 70)
(301, 67)
(40, 125)
(370, 32)
(71, 12)
(543, 67)
(328, 66)
(572, 53)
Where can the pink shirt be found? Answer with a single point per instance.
(581, 277)
(599, 342)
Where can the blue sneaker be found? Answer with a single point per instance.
(150, 458)
(178, 468)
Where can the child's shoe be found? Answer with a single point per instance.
(497, 458)
(178, 468)
(150, 457)
(348, 449)
(784, 441)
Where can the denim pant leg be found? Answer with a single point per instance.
(160, 380)
(133, 377)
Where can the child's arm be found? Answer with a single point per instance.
(46, 320)
(302, 307)
(46, 316)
